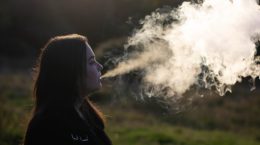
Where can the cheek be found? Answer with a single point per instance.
(93, 81)
(91, 74)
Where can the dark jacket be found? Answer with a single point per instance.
(61, 127)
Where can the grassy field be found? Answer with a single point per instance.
(136, 128)
(221, 121)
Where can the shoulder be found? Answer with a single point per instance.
(41, 122)
(44, 129)
(53, 128)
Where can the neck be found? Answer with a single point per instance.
(79, 103)
(78, 108)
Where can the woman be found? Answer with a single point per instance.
(66, 72)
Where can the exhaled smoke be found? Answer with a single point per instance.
(211, 44)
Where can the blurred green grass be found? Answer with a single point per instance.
(132, 127)
(170, 135)
(220, 121)
(15, 105)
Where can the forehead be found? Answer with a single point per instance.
(89, 51)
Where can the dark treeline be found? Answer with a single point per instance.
(25, 25)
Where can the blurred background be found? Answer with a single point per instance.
(26, 25)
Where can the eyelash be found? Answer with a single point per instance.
(92, 61)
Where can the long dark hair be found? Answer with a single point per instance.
(60, 79)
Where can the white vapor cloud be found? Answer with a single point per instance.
(210, 44)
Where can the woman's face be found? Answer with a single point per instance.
(93, 71)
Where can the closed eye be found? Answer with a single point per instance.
(92, 62)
